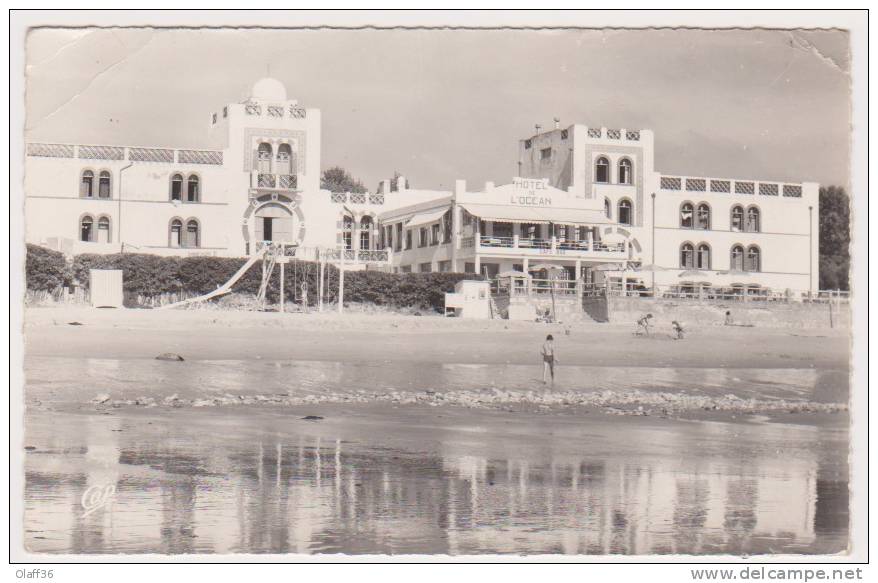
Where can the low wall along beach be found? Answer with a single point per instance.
(703, 312)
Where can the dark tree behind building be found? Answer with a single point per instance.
(835, 238)
(337, 179)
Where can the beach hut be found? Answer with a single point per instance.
(105, 288)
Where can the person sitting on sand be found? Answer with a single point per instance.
(678, 330)
(549, 359)
(643, 325)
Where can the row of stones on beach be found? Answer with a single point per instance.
(632, 402)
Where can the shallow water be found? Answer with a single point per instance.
(131, 378)
(410, 481)
(379, 478)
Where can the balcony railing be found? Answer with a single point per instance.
(550, 245)
(357, 198)
(559, 288)
(288, 181)
(281, 181)
(359, 255)
(705, 292)
(373, 255)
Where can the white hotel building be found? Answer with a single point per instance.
(585, 197)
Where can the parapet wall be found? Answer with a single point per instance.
(712, 312)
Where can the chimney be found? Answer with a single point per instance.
(557, 123)
(385, 187)
(538, 127)
(400, 183)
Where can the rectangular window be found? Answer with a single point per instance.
(444, 266)
(422, 237)
(398, 239)
(425, 267)
(545, 154)
(406, 269)
(408, 239)
(434, 234)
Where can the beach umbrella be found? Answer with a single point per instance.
(513, 273)
(613, 238)
(691, 273)
(546, 266)
(651, 268)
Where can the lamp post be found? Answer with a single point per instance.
(341, 262)
(653, 244)
(119, 214)
(810, 251)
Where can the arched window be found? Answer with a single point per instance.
(602, 170)
(263, 158)
(737, 223)
(284, 159)
(737, 258)
(703, 257)
(702, 216)
(86, 184)
(176, 234)
(607, 208)
(752, 225)
(624, 212)
(687, 212)
(687, 256)
(86, 229)
(104, 230)
(754, 259)
(192, 192)
(193, 234)
(177, 187)
(348, 232)
(626, 171)
(365, 232)
(104, 185)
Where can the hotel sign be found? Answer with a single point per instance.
(530, 192)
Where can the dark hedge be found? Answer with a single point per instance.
(45, 270)
(154, 275)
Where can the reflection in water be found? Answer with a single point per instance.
(184, 487)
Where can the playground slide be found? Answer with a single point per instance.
(224, 288)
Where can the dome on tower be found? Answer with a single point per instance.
(269, 89)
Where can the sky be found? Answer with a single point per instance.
(441, 105)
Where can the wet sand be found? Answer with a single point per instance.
(435, 436)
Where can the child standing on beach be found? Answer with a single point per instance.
(549, 360)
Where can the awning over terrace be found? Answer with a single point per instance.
(540, 215)
(426, 218)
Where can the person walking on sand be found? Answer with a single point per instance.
(549, 359)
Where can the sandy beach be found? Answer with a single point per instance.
(210, 334)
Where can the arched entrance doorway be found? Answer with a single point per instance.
(274, 223)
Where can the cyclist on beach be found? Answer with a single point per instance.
(549, 359)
